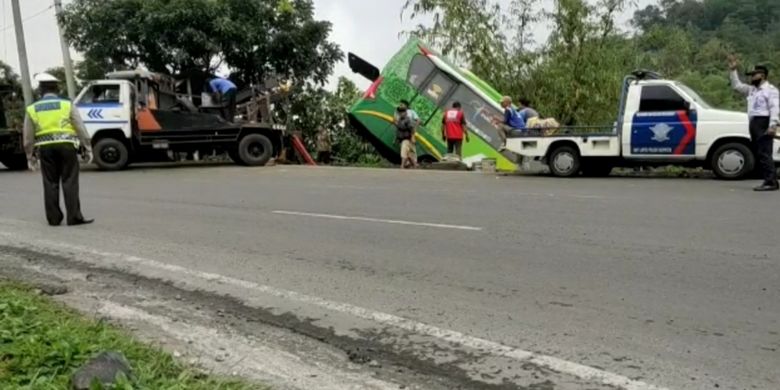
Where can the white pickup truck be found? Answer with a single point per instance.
(660, 122)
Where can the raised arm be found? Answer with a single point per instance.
(737, 84)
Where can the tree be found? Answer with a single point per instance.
(165, 36)
(574, 77)
(468, 31)
(262, 38)
(316, 107)
(254, 38)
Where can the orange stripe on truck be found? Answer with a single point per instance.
(146, 121)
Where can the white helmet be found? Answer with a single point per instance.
(40, 78)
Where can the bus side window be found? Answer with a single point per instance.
(419, 70)
(438, 88)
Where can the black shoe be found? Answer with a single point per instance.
(767, 187)
(81, 222)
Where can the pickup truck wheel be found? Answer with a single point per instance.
(17, 162)
(733, 161)
(111, 154)
(255, 150)
(565, 161)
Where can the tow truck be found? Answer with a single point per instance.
(660, 122)
(138, 116)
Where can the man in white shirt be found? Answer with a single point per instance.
(764, 112)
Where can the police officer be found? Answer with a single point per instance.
(53, 135)
(764, 112)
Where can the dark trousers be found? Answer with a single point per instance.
(764, 145)
(60, 164)
(229, 105)
(455, 146)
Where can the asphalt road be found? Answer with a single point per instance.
(675, 282)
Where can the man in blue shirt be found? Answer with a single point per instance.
(224, 92)
(512, 120)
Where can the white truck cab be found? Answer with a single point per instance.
(108, 105)
(660, 122)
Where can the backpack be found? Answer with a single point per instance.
(405, 127)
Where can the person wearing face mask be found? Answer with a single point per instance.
(764, 112)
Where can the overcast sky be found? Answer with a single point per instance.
(368, 28)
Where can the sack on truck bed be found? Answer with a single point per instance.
(549, 126)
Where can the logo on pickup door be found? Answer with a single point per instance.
(661, 132)
(664, 133)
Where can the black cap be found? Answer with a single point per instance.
(759, 69)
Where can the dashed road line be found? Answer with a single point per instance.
(377, 220)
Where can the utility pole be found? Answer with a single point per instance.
(68, 63)
(22, 48)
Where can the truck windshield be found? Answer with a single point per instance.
(693, 95)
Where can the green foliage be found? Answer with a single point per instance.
(575, 75)
(254, 38)
(316, 107)
(42, 344)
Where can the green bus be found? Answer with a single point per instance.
(431, 84)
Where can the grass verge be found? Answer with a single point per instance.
(42, 343)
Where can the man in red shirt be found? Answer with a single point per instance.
(453, 129)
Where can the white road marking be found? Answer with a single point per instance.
(490, 347)
(377, 220)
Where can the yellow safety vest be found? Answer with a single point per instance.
(52, 119)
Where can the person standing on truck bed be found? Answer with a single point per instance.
(225, 93)
(406, 121)
(764, 112)
(53, 128)
(454, 129)
(511, 121)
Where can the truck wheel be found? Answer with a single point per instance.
(565, 161)
(111, 154)
(733, 161)
(17, 162)
(596, 168)
(255, 150)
